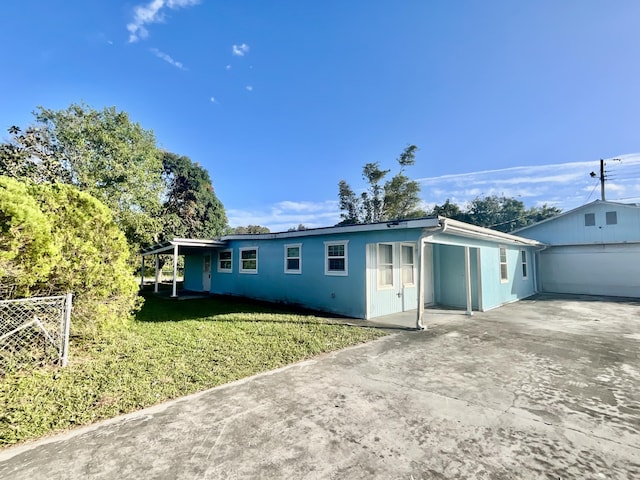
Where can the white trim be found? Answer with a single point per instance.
(297, 271)
(524, 264)
(339, 230)
(506, 263)
(413, 265)
(219, 269)
(240, 259)
(342, 273)
(380, 285)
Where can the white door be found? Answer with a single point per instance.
(391, 274)
(427, 274)
(206, 273)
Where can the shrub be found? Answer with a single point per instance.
(88, 253)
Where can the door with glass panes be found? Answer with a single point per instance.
(391, 278)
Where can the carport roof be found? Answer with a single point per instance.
(185, 245)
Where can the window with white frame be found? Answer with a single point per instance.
(225, 261)
(336, 258)
(385, 265)
(504, 269)
(525, 265)
(611, 218)
(407, 256)
(249, 260)
(293, 258)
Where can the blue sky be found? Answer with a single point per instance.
(280, 99)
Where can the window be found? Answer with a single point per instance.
(336, 258)
(225, 261)
(248, 260)
(206, 267)
(612, 218)
(589, 219)
(525, 267)
(293, 258)
(504, 270)
(385, 265)
(406, 258)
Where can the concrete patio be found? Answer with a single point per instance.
(546, 388)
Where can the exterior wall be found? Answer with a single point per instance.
(592, 270)
(312, 288)
(496, 292)
(570, 229)
(358, 294)
(489, 292)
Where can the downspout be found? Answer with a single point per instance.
(426, 233)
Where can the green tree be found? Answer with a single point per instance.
(397, 198)
(191, 208)
(249, 229)
(101, 152)
(448, 209)
(499, 213)
(537, 214)
(85, 252)
(28, 251)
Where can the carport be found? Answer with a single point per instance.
(175, 248)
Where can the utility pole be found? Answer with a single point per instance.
(602, 179)
(602, 175)
(594, 175)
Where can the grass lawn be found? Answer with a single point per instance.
(172, 349)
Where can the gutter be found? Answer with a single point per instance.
(473, 231)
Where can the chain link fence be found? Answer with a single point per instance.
(34, 332)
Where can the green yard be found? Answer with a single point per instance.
(172, 349)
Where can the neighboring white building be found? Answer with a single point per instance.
(593, 249)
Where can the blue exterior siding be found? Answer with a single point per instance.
(311, 288)
(358, 294)
(570, 229)
(495, 291)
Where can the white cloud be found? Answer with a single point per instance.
(240, 50)
(152, 12)
(284, 215)
(565, 185)
(249, 88)
(213, 100)
(167, 58)
(228, 67)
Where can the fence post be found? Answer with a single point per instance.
(64, 358)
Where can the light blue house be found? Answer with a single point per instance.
(365, 271)
(593, 249)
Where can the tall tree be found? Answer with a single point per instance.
(500, 213)
(250, 229)
(191, 208)
(101, 152)
(397, 198)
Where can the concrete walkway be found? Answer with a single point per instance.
(547, 388)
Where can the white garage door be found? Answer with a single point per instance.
(592, 269)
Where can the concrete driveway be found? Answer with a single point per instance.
(545, 388)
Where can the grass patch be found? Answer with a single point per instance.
(172, 349)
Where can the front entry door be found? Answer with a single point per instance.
(391, 273)
(206, 273)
